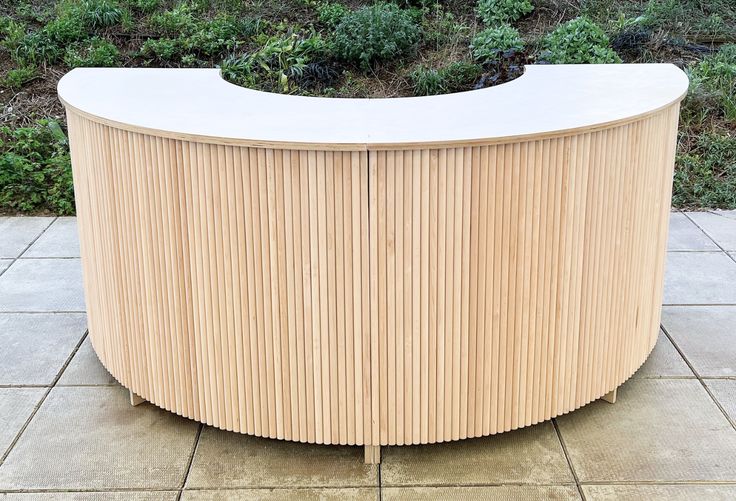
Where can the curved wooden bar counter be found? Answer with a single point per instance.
(373, 272)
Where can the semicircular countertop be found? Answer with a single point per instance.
(197, 104)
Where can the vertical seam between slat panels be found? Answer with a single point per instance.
(369, 412)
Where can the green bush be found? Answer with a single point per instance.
(95, 52)
(18, 77)
(12, 34)
(35, 170)
(330, 13)
(37, 47)
(494, 12)
(489, 43)
(706, 175)
(380, 32)
(454, 77)
(179, 21)
(712, 91)
(75, 21)
(578, 41)
(198, 40)
(440, 27)
(144, 6)
(98, 14)
(65, 29)
(427, 82)
(162, 49)
(276, 65)
(691, 18)
(212, 38)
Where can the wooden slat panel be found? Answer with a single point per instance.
(382, 297)
(530, 277)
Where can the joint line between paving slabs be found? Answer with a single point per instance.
(568, 458)
(191, 462)
(12, 262)
(380, 482)
(43, 399)
(700, 379)
(732, 258)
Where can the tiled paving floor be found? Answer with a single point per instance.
(67, 430)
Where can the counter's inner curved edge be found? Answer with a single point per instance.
(197, 104)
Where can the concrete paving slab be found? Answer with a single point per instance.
(43, 285)
(91, 496)
(664, 361)
(706, 335)
(725, 392)
(86, 369)
(699, 278)
(530, 455)
(492, 493)
(729, 213)
(719, 227)
(91, 438)
(35, 346)
(16, 406)
(681, 492)
(659, 430)
(61, 239)
(684, 235)
(229, 460)
(333, 494)
(17, 233)
(5, 264)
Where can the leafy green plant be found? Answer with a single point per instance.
(198, 40)
(162, 49)
(489, 43)
(25, 10)
(65, 29)
(331, 13)
(75, 21)
(440, 27)
(427, 81)
(218, 35)
(12, 34)
(695, 18)
(144, 6)
(99, 13)
(179, 21)
(35, 170)
(18, 77)
(379, 32)
(276, 65)
(712, 91)
(494, 12)
(95, 52)
(454, 77)
(578, 41)
(706, 174)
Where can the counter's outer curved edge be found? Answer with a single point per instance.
(368, 145)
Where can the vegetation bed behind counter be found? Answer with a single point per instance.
(358, 49)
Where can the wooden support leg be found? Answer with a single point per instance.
(135, 399)
(372, 454)
(610, 397)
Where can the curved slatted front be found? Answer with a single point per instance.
(374, 295)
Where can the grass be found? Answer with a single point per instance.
(353, 48)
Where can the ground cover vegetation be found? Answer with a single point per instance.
(353, 48)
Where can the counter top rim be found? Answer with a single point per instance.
(373, 111)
